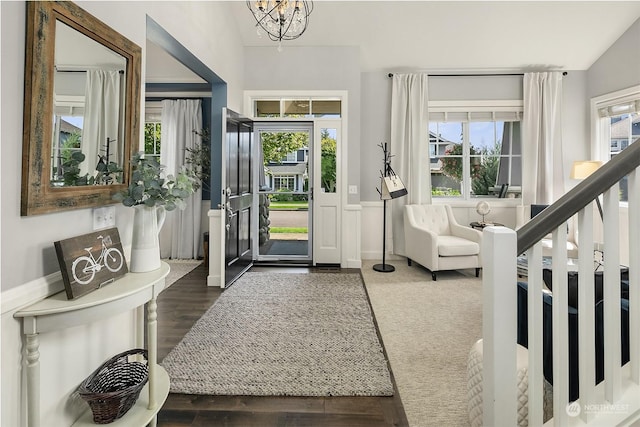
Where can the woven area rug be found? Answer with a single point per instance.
(284, 334)
(179, 269)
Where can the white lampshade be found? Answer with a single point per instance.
(583, 168)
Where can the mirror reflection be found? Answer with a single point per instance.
(87, 146)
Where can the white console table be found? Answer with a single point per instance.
(131, 291)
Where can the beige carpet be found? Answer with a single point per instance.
(427, 329)
(179, 268)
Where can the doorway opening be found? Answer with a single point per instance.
(284, 200)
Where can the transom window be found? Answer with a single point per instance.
(297, 108)
(475, 153)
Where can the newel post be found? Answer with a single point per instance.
(499, 326)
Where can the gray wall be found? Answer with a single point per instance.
(575, 122)
(475, 88)
(619, 67)
(312, 68)
(376, 129)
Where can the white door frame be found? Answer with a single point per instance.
(341, 155)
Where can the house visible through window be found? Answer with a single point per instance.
(618, 126)
(475, 153)
(624, 129)
(67, 138)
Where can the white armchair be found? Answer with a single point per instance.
(435, 240)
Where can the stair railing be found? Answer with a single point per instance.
(614, 401)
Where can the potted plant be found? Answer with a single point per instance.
(152, 193)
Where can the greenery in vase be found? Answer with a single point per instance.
(150, 187)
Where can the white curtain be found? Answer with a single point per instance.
(542, 170)
(409, 147)
(101, 118)
(180, 237)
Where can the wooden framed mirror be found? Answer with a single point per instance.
(81, 109)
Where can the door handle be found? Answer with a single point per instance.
(230, 213)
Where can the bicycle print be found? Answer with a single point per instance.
(84, 268)
(90, 261)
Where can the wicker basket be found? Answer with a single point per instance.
(113, 388)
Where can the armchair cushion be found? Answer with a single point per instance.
(456, 246)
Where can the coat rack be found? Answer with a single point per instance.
(386, 194)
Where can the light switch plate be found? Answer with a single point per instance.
(104, 217)
(353, 189)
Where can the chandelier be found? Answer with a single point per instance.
(281, 19)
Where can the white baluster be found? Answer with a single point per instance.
(534, 334)
(611, 294)
(634, 274)
(586, 317)
(560, 310)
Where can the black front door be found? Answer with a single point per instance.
(238, 196)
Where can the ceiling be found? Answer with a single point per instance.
(162, 67)
(461, 35)
(447, 36)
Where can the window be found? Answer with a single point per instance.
(67, 133)
(617, 126)
(152, 139)
(67, 139)
(302, 108)
(475, 150)
(284, 183)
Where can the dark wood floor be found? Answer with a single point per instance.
(178, 309)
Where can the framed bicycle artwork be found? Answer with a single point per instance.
(90, 261)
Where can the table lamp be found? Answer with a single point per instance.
(582, 169)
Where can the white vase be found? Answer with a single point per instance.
(145, 247)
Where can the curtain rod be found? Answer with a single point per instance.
(84, 71)
(564, 73)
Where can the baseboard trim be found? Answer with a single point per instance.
(214, 281)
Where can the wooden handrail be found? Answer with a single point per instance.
(579, 197)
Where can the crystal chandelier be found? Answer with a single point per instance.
(281, 19)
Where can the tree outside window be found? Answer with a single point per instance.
(493, 151)
(152, 139)
(328, 147)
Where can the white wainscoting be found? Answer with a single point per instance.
(465, 213)
(351, 237)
